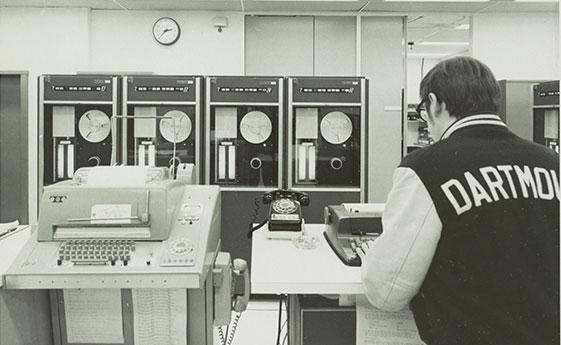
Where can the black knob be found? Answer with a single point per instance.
(95, 160)
(336, 163)
(255, 163)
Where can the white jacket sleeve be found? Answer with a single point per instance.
(397, 262)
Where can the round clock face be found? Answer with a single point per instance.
(166, 31)
(94, 126)
(256, 127)
(178, 132)
(336, 127)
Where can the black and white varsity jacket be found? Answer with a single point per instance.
(471, 239)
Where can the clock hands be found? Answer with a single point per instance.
(163, 32)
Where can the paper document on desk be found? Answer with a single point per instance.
(93, 316)
(377, 327)
(160, 316)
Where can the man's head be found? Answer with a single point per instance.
(455, 88)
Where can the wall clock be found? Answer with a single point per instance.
(166, 31)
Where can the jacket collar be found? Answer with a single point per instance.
(473, 120)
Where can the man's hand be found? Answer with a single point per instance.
(363, 249)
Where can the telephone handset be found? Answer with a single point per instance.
(226, 300)
(284, 212)
(302, 198)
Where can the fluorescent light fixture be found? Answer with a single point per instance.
(437, 0)
(462, 27)
(427, 55)
(429, 43)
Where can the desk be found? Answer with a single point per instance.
(278, 267)
(24, 314)
(10, 246)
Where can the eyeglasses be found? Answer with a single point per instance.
(421, 111)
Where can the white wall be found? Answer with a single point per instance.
(415, 73)
(279, 45)
(382, 54)
(122, 41)
(70, 40)
(334, 46)
(301, 45)
(518, 46)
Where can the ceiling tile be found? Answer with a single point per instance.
(95, 4)
(516, 6)
(427, 7)
(210, 5)
(302, 6)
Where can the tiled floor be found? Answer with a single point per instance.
(257, 325)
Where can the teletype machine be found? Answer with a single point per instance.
(130, 257)
(167, 115)
(243, 147)
(327, 140)
(347, 226)
(75, 114)
(546, 114)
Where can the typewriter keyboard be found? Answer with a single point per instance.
(95, 252)
(356, 243)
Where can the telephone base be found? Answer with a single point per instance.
(283, 235)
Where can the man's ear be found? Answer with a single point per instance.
(438, 106)
(432, 98)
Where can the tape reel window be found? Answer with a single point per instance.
(94, 126)
(336, 127)
(256, 127)
(176, 126)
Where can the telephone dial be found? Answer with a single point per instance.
(284, 211)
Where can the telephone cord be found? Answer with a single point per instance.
(233, 329)
(285, 321)
(226, 338)
(254, 217)
(279, 328)
(221, 336)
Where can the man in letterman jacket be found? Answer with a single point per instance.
(471, 225)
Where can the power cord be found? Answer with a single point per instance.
(252, 228)
(286, 321)
(279, 320)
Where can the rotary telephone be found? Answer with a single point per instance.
(284, 211)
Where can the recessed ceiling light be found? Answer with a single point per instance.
(462, 27)
(427, 55)
(429, 43)
(437, 0)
